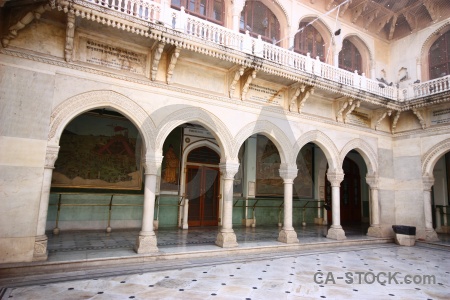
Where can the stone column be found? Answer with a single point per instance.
(375, 228)
(238, 6)
(431, 235)
(146, 241)
(226, 238)
(40, 242)
(336, 232)
(287, 234)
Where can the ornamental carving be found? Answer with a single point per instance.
(288, 173)
(51, 155)
(366, 151)
(335, 178)
(40, 248)
(78, 104)
(428, 182)
(271, 130)
(201, 116)
(430, 158)
(229, 169)
(324, 142)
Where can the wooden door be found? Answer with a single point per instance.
(202, 190)
(350, 195)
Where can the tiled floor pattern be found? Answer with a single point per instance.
(280, 278)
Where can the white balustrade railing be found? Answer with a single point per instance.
(179, 20)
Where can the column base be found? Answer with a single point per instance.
(288, 236)
(336, 234)
(375, 232)
(40, 248)
(226, 239)
(146, 244)
(431, 236)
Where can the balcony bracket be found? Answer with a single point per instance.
(251, 74)
(157, 51)
(300, 96)
(237, 76)
(352, 107)
(394, 122)
(419, 116)
(382, 116)
(173, 55)
(339, 115)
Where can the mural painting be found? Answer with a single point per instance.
(99, 149)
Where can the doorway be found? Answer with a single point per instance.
(350, 194)
(202, 187)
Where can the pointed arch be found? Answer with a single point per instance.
(431, 157)
(76, 105)
(365, 150)
(363, 48)
(325, 144)
(199, 116)
(321, 27)
(424, 51)
(270, 130)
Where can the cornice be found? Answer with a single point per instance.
(220, 100)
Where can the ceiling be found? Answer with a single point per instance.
(389, 19)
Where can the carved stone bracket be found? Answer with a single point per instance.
(300, 96)
(174, 53)
(339, 116)
(382, 116)
(370, 19)
(251, 74)
(70, 33)
(157, 51)
(420, 117)
(428, 182)
(233, 84)
(352, 107)
(431, 7)
(373, 182)
(358, 10)
(23, 22)
(394, 122)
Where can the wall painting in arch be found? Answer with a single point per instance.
(99, 149)
(268, 180)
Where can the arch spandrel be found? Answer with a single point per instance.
(430, 158)
(199, 116)
(324, 142)
(365, 150)
(76, 105)
(270, 130)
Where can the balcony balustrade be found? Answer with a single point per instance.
(179, 20)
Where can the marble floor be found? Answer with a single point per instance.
(373, 272)
(320, 272)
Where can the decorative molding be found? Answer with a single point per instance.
(24, 22)
(373, 182)
(288, 172)
(382, 116)
(152, 163)
(325, 143)
(419, 116)
(157, 51)
(236, 77)
(300, 96)
(72, 107)
(335, 178)
(200, 116)
(276, 135)
(430, 157)
(228, 169)
(369, 155)
(428, 182)
(339, 117)
(51, 155)
(394, 122)
(352, 107)
(173, 55)
(251, 74)
(70, 33)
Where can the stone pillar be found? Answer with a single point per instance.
(419, 68)
(438, 220)
(185, 214)
(375, 228)
(431, 235)
(146, 241)
(336, 232)
(226, 238)
(40, 242)
(287, 234)
(238, 6)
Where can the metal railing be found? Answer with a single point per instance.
(154, 12)
(262, 203)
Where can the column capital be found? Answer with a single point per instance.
(373, 182)
(228, 169)
(51, 155)
(335, 178)
(288, 173)
(152, 163)
(428, 182)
